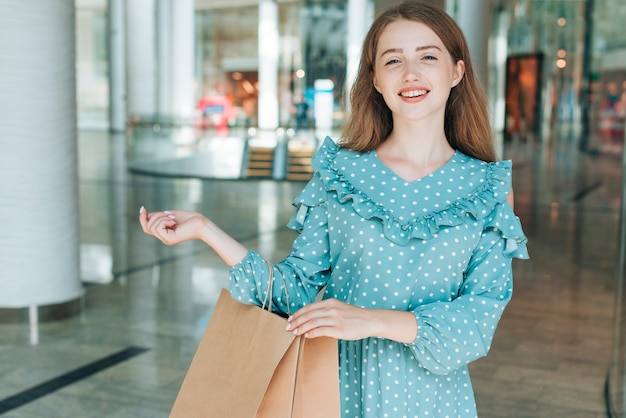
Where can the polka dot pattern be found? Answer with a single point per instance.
(439, 247)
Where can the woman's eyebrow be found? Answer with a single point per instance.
(421, 48)
(417, 49)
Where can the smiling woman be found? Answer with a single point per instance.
(405, 225)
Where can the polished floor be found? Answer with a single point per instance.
(125, 353)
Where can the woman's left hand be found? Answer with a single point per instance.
(331, 318)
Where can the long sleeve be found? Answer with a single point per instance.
(303, 273)
(453, 334)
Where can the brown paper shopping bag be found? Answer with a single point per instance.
(306, 378)
(248, 366)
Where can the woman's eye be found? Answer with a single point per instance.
(430, 58)
(392, 61)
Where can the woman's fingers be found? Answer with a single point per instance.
(158, 224)
(332, 318)
(143, 220)
(325, 318)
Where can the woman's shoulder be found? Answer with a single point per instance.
(475, 179)
(330, 153)
(337, 169)
(471, 164)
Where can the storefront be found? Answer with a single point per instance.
(311, 45)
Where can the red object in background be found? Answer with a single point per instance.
(215, 111)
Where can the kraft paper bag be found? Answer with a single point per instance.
(248, 366)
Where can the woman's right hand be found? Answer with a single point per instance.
(173, 227)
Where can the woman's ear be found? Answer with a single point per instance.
(459, 72)
(375, 82)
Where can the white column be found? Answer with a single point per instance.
(497, 71)
(268, 65)
(141, 58)
(183, 81)
(165, 57)
(39, 245)
(175, 59)
(474, 18)
(360, 17)
(117, 66)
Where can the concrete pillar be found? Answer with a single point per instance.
(141, 58)
(164, 57)
(497, 78)
(117, 66)
(175, 59)
(183, 81)
(268, 65)
(39, 245)
(360, 17)
(474, 17)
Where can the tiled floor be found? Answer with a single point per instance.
(126, 352)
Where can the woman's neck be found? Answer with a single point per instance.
(418, 143)
(414, 155)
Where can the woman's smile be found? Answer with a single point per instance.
(413, 92)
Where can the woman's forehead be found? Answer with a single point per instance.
(407, 34)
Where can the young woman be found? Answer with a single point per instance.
(405, 224)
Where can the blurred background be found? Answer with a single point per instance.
(217, 106)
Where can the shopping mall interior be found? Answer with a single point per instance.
(120, 344)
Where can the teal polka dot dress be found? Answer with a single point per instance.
(440, 247)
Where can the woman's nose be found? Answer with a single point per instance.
(412, 72)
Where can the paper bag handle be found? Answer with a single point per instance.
(268, 295)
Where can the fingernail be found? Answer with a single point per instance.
(167, 212)
(141, 209)
(287, 327)
(290, 318)
(171, 216)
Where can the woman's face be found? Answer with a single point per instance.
(414, 72)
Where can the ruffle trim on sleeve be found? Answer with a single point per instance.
(503, 219)
(478, 204)
(313, 194)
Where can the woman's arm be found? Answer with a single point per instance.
(176, 226)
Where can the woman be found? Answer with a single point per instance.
(405, 224)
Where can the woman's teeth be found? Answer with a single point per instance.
(413, 93)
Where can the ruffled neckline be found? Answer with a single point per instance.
(478, 203)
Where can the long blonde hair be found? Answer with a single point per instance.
(466, 122)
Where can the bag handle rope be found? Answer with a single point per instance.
(268, 295)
